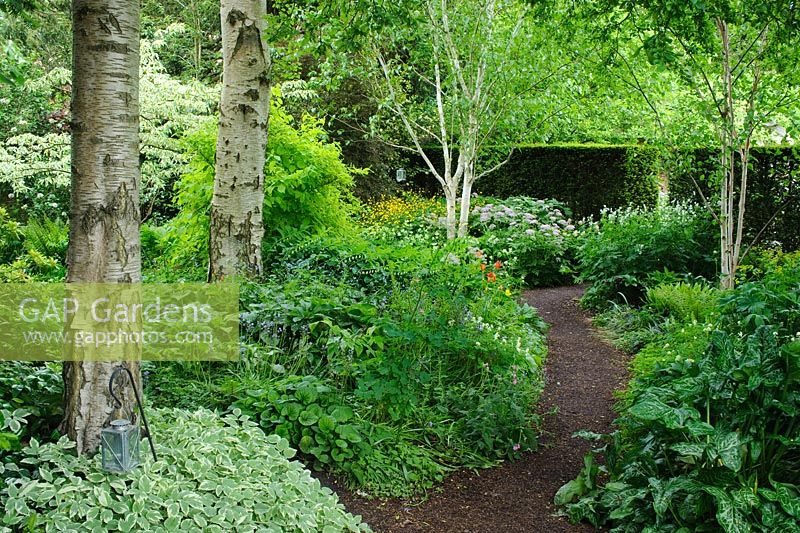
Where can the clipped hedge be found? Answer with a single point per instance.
(585, 177)
(773, 185)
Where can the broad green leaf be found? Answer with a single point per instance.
(571, 491)
(729, 447)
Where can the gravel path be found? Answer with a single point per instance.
(582, 373)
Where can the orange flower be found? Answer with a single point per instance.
(498, 265)
(478, 253)
(491, 277)
(483, 267)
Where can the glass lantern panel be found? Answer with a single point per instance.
(120, 447)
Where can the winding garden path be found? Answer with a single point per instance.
(582, 373)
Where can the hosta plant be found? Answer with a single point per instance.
(213, 474)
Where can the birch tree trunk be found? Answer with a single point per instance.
(104, 208)
(466, 199)
(732, 211)
(237, 226)
(450, 205)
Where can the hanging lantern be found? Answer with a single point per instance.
(119, 442)
(119, 445)
(400, 175)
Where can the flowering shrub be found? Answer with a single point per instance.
(536, 238)
(528, 215)
(632, 245)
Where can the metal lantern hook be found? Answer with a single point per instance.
(118, 403)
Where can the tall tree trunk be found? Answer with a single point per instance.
(466, 199)
(450, 195)
(237, 226)
(104, 209)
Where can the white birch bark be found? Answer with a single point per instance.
(237, 226)
(104, 211)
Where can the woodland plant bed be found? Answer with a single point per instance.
(582, 372)
(214, 474)
(707, 437)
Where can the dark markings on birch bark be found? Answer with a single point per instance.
(104, 208)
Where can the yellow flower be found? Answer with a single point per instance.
(508, 292)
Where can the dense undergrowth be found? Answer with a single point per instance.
(376, 350)
(381, 352)
(707, 434)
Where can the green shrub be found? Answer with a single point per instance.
(306, 186)
(633, 244)
(533, 238)
(762, 262)
(309, 414)
(30, 402)
(684, 302)
(708, 445)
(677, 343)
(312, 416)
(213, 474)
(11, 237)
(366, 265)
(708, 424)
(430, 359)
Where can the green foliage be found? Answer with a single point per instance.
(708, 444)
(675, 343)
(764, 262)
(774, 300)
(187, 233)
(685, 302)
(438, 363)
(38, 105)
(586, 178)
(773, 202)
(311, 415)
(30, 403)
(306, 184)
(11, 237)
(214, 474)
(632, 245)
(305, 187)
(187, 37)
(628, 328)
(708, 431)
(32, 252)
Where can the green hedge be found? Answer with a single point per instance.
(585, 177)
(773, 186)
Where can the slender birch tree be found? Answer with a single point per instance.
(471, 75)
(237, 226)
(736, 57)
(104, 211)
